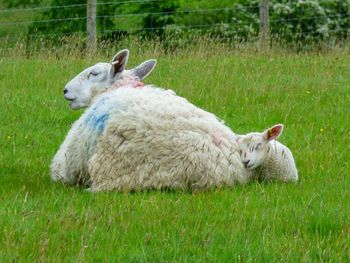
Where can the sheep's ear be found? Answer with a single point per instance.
(144, 69)
(273, 132)
(119, 62)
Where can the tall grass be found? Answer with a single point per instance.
(195, 42)
(260, 222)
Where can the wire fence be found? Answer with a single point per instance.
(16, 22)
(187, 11)
(74, 6)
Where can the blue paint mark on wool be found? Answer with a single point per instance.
(98, 116)
(98, 122)
(100, 111)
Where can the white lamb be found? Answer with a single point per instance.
(142, 138)
(266, 157)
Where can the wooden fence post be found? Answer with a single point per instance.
(264, 33)
(91, 26)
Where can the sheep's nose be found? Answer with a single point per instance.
(65, 91)
(245, 163)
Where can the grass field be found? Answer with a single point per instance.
(260, 222)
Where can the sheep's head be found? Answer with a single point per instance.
(253, 147)
(79, 91)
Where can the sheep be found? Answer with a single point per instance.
(267, 158)
(82, 91)
(132, 139)
(155, 139)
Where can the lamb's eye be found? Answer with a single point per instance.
(258, 146)
(240, 152)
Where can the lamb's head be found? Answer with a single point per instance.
(93, 80)
(254, 147)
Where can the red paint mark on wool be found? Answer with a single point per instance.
(138, 84)
(135, 83)
(217, 139)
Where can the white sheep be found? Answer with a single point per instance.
(266, 157)
(146, 138)
(155, 139)
(83, 89)
(70, 161)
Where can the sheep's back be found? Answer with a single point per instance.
(279, 164)
(154, 139)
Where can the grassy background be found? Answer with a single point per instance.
(264, 222)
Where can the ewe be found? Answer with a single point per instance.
(266, 157)
(134, 139)
(69, 163)
(82, 90)
(155, 139)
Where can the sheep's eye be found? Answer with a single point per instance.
(258, 146)
(240, 152)
(93, 73)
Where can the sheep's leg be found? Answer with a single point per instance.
(67, 165)
(60, 166)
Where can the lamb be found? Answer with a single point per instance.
(132, 139)
(267, 158)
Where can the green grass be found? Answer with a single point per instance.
(260, 222)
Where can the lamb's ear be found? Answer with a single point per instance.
(273, 132)
(119, 62)
(144, 69)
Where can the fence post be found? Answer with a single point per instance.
(91, 26)
(264, 33)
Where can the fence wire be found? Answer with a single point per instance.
(251, 22)
(188, 11)
(30, 9)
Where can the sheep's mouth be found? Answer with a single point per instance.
(74, 105)
(70, 99)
